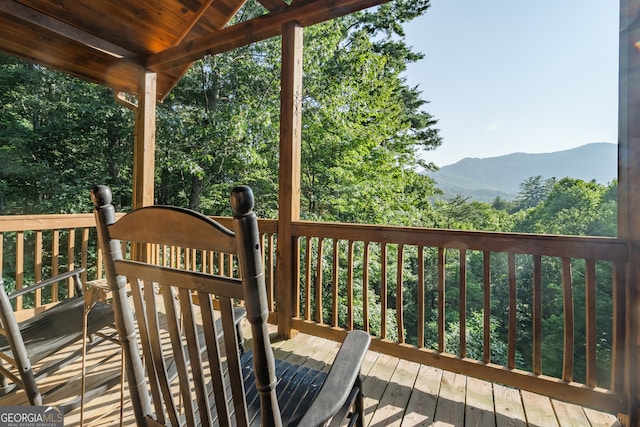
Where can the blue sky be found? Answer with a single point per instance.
(506, 76)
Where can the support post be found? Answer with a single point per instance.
(629, 192)
(289, 178)
(144, 141)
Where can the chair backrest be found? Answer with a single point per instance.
(185, 363)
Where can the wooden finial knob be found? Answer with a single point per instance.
(242, 199)
(101, 195)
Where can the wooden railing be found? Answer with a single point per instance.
(35, 247)
(412, 290)
(481, 304)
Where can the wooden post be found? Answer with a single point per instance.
(289, 193)
(629, 189)
(145, 141)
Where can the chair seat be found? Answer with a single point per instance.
(297, 387)
(58, 327)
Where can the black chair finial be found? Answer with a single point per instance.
(101, 195)
(242, 200)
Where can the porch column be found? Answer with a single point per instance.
(144, 144)
(629, 190)
(289, 192)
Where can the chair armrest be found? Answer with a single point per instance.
(341, 377)
(46, 282)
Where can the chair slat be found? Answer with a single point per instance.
(233, 361)
(213, 356)
(143, 325)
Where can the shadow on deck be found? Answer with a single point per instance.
(397, 392)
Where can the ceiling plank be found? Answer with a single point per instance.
(260, 28)
(199, 14)
(60, 28)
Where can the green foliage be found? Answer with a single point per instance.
(574, 207)
(362, 131)
(60, 137)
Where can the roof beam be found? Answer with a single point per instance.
(260, 28)
(60, 28)
(273, 5)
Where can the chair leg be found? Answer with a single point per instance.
(359, 404)
(5, 386)
(31, 388)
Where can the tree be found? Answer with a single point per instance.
(533, 190)
(574, 207)
(56, 132)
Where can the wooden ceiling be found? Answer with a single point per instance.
(109, 41)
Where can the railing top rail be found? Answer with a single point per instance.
(45, 222)
(587, 247)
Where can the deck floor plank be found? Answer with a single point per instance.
(508, 406)
(479, 408)
(396, 396)
(569, 414)
(601, 419)
(539, 409)
(397, 392)
(421, 407)
(451, 401)
(376, 383)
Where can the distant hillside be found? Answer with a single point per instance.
(485, 179)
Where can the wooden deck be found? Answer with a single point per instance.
(397, 393)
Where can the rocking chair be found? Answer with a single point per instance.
(191, 377)
(24, 344)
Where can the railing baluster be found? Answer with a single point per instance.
(271, 273)
(319, 263)
(334, 283)
(296, 280)
(463, 303)
(350, 285)
(71, 248)
(619, 319)
(590, 299)
(486, 304)
(211, 262)
(441, 294)
(19, 266)
(365, 286)
(567, 302)
(537, 314)
(37, 274)
(55, 254)
(383, 291)
(307, 281)
(84, 261)
(399, 306)
(220, 263)
(511, 357)
(420, 301)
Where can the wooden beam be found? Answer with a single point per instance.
(629, 190)
(261, 28)
(144, 143)
(289, 178)
(273, 5)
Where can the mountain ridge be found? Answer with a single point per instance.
(484, 179)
